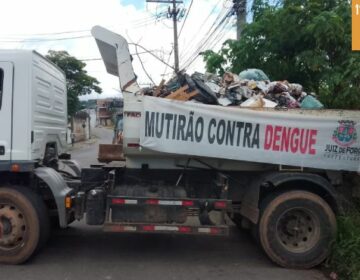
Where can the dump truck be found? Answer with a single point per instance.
(185, 168)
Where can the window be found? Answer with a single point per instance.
(1, 85)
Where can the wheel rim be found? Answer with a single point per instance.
(298, 230)
(12, 227)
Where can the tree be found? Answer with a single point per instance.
(78, 81)
(304, 41)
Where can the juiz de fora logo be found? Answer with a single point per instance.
(345, 134)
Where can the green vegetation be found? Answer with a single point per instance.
(78, 82)
(303, 41)
(345, 257)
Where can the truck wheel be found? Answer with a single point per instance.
(24, 226)
(296, 229)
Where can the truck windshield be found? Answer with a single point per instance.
(1, 85)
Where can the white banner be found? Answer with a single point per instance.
(320, 140)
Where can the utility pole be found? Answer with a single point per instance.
(173, 13)
(240, 11)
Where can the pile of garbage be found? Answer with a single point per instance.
(251, 88)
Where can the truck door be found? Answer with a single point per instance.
(6, 92)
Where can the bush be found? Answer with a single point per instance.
(345, 256)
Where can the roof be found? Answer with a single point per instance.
(16, 52)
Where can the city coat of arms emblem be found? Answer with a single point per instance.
(345, 134)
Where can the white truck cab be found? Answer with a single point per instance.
(39, 119)
(33, 125)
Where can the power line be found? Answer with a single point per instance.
(49, 34)
(142, 66)
(138, 53)
(200, 28)
(212, 41)
(44, 40)
(137, 22)
(194, 48)
(205, 42)
(220, 35)
(91, 59)
(25, 40)
(187, 14)
(166, 66)
(158, 58)
(215, 26)
(88, 36)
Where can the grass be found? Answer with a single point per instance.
(345, 256)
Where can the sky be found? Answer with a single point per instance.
(48, 24)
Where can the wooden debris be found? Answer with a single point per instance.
(159, 88)
(182, 94)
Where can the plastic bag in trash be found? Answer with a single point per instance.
(295, 90)
(253, 74)
(277, 87)
(311, 102)
(291, 101)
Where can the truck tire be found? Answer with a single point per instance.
(296, 229)
(24, 224)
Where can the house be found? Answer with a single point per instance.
(81, 127)
(107, 109)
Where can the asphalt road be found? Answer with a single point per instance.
(86, 253)
(87, 153)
